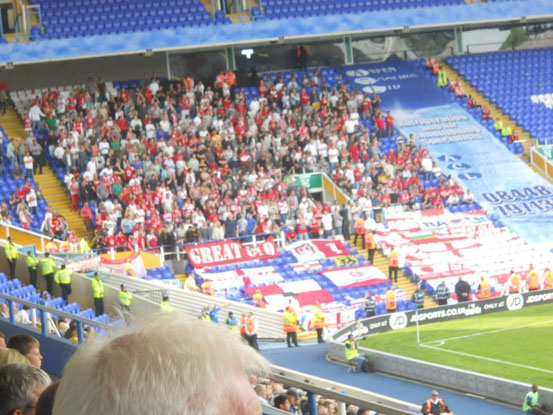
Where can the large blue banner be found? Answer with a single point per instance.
(502, 183)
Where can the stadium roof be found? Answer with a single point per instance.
(300, 29)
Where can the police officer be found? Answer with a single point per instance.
(165, 306)
(442, 293)
(48, 266)
(32, 264)
(125, 298)
(418, 297)
(98, 294)
(370, 305)
(11, 256)
(63, 278)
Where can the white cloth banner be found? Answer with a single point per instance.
(363, 275)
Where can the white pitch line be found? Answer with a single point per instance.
(487, 358)
(442, 341)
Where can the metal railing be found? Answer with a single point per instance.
(344, 394)
(46, 322)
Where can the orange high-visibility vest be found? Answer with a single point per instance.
(359, 226)
(370, 241)
(485, 290)
(207, 290)
(290, 320)
(429, 405)
(548, 281)
(390, 300)
(258, 300)
(533, 282)
(514, 283)
(251, 326)
(243, 324)
(393, 261)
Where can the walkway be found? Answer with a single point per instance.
(404, 283)
(311, 359)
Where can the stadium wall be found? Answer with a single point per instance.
(490, 387)
(401, 320)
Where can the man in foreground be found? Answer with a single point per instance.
(20, 387)
(166, 365)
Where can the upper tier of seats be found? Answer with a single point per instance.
(520, 86)
(73, 18)
(281, 9)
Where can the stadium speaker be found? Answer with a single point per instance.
(9, 65)
(148, 52)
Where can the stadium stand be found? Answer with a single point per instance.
(509, 141)
(282, 9)
(515, 88)
(79, 18)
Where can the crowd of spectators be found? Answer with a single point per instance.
(294, 400)
(179, 161)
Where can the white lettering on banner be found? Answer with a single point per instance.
(513, 195)
(226, 252)
(444, 313)
(398, 321)
(538, 298)
(515, 302)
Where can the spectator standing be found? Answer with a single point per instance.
(462, 289)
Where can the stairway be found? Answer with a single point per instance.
(57, 198)
(54, 193)
(495, 112)
(12, 125)
(403, 283)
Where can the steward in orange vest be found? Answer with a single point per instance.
(484, 289)
(532, 280)
(393, 265)
(359, 231)
(371, 247)
(514, 283)
(390, 300)
(547, 280)
(290, 325)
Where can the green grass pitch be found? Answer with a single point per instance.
(516, 345)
